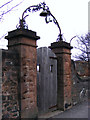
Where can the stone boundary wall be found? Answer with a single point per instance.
(79, 86)
(10, 87)
(10, 83)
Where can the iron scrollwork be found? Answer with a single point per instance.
(35, 8)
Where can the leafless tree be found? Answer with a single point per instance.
(4, 11)
(82, 45)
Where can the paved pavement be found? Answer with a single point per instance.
(78, 111)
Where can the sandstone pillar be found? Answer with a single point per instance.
(63, 53)
(23, 41)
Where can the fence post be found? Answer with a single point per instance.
(63, 53)
(23, 41)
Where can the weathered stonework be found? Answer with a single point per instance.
(24, 43)
(10, 88)
(19, 76)
(62, 51)
(79, 86)
(82, 68)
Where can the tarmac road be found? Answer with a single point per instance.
(77, 111)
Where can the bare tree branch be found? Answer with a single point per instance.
(82, 44)
(6, 4)
(5, 12)
(3, 36)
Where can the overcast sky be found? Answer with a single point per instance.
(72, 16)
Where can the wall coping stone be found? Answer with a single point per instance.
(22, 33)
(60, 44)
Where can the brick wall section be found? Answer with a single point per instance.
(81, 68)
(79, 87)
(62, 51)
(19, 75)
(24, 43)
(19, 83)
(28, 80)
(10, 88)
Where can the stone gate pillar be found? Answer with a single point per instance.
(63, 53)
(23, 41)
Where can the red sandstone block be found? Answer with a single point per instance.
(23, 88)
(25, 103)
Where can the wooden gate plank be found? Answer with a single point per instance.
(46, 79)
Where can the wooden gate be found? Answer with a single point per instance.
(46, 79)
